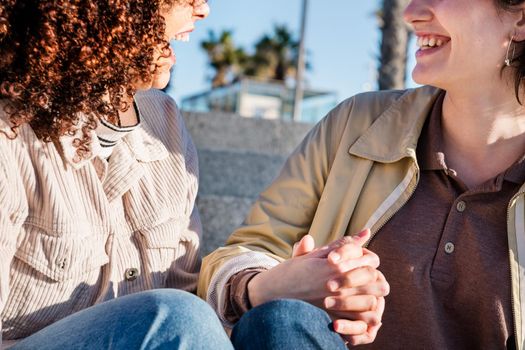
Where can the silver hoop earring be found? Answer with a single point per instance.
(508, 60)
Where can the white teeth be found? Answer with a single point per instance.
(185, 37)
(428, 42)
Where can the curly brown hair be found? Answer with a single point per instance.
(63, 58)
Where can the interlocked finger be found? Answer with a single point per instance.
(367, 259)
(371, 318)
(348, 327)
(361, 276)
(373, 327)
(356, 303)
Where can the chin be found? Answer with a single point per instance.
(424, 79)
(419, 76)
(439, 76)
(160, 81)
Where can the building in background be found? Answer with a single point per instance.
(253, 98)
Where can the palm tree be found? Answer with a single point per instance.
(275, 56)
(394, 45)
(225, 58)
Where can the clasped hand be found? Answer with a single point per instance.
(341, 278)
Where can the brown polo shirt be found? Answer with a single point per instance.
(445, 255)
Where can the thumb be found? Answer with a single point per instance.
(304, 246)
(362, 237)
(359, 239)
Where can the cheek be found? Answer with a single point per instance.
(177, 20)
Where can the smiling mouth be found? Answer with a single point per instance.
(427, 42)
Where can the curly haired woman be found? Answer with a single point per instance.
(98, 179)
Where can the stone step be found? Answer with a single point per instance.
(220, 131)
(238, 158)
(220, 215)
(227, 173)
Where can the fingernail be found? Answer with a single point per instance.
(335, 257)
(333, 285)
(363, 233)
(329, 302)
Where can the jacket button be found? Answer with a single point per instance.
(61, 263)
(131, 274)
(461, 206)
(449, 247)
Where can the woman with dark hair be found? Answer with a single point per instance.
(436, 173)
(98, 179)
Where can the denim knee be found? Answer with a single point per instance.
(182, 320)
(181, 303)
(286, 324)
(155, 319)
(285, 313)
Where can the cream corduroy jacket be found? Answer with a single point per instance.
(74, 234)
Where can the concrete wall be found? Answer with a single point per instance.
(238, 158)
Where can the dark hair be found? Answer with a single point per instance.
(519, 60)
(64, 57)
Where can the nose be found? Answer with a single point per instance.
(417, 11)
(201, 11)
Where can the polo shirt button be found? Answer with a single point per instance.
(461, 206)
(449, 248)
(131, 274)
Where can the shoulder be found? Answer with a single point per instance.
(157, 108)
(386, 110)
(357, 113)
(368, 104)
(162, 121)
(155, 98)
(362, 110)
(161, 116)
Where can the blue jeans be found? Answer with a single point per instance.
(286, 324)
(156, 319)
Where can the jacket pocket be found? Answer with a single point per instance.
(62, 256)
(53, 274)
(165, 235)
(171, 253)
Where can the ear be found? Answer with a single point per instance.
(519, 24)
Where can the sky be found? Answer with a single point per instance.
(342, 40)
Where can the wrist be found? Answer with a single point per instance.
(257, 295)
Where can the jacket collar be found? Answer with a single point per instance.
(394, 134)
(143, 142)
(144, 145)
